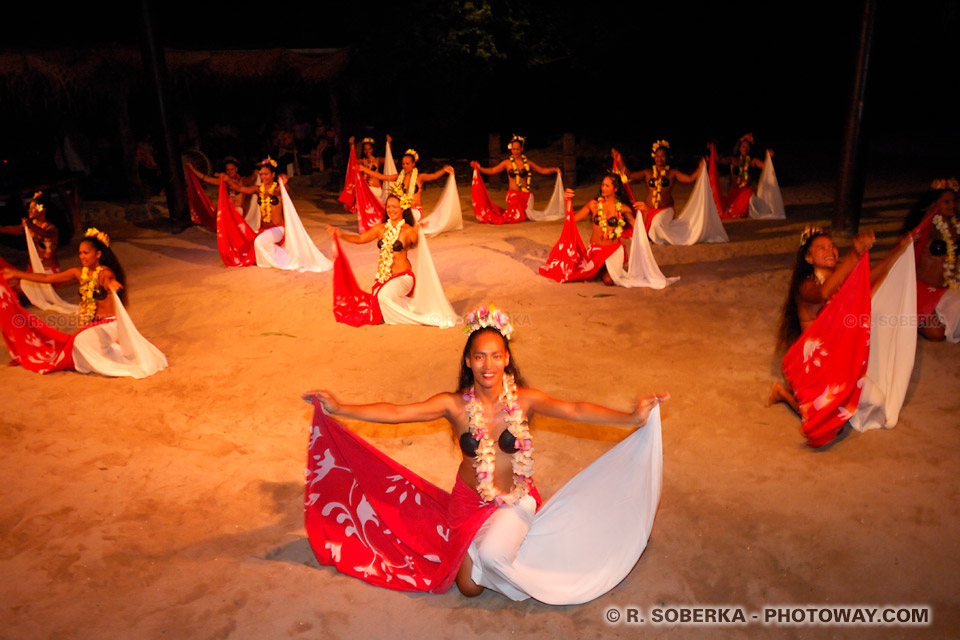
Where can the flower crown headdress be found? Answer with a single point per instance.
(269, 161)
(809, 232)
(747, 137)
(488, 316)
(657, 145)
(946, 183)
(412, 153)
(93, 232)
(517, 138)
(366, 140)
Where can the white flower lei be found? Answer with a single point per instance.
(485, 459)
(406, 198)
(950, 276)
(385, 263)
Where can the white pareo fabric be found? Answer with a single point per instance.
(893, 347)
(642, 269)
(948, 311)
(42, 295)
(116, 349)
(298, 252)
(555, 206)
(698, 222)
(252, 216)
(447, 215)
(428, 305)
(389, 169)
(586, 538)
(767, 203)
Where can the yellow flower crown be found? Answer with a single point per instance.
(517, 138)
(747, 137)
(414, 154)
(270, 161)
(657, 145)
(93, 232)
(366, 140)
(946, 183)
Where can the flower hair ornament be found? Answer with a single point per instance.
(946, 183)
(657, 145)
(747, 137)
(366, 141)
(413, 154)
(809, 232)
(517, 138)
(93, 232)
(269, 161)
(488, 316)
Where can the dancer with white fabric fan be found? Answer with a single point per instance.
(519, 170)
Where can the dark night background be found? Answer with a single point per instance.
(442, 75)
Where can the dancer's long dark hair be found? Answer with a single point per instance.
(919, 211)
(466, 373)
(109, 259)
(619, 190)
(789, 329)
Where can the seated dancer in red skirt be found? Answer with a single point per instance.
(825, 328)
(659, 179)
(938, 272)
(408, 184)
(519, 171)
(376, 520)
(108, 343)
(397, 297)
(741, 187)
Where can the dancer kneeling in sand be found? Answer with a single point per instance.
(828, 345)
(374, 519)
(108, 343)
(610, 214)
(397, 297)
(408, 184)
(660, 179)
(519, 170)
(938, 271)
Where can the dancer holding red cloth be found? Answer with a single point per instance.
(519, 171)
(376, 520)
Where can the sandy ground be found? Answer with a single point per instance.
(171, 506)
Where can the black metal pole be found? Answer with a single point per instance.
(850, 183)
(155, 68)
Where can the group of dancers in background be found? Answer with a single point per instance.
(848, 333)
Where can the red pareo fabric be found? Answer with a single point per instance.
(348, 195)
(32, 343)
(374, 519)
(489, 213)
(234, 236)
(928, 296)
(738, 202)
(351, 304)
(201, 210)
(370, 210)
(826, 365)
(569, 260)
(715, 182)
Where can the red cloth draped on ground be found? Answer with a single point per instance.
(234, 236)
(715, 181)
(928, 296)
(489, 213)
(374, 519)
(826, 365)
(32, 343)
(370, 210)
(351, 304)
(348, 195)
(201, 210)
(569, 260)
